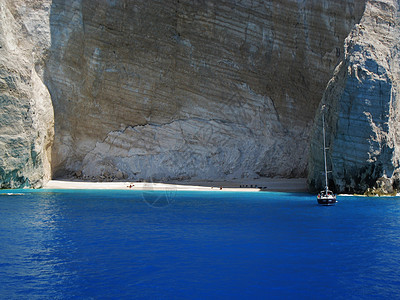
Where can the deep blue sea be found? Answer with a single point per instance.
(197, 245)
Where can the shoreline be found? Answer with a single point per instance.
(297, 185)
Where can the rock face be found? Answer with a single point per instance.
(199, 89)
(26, 113)
(190, 89)
(361, 107)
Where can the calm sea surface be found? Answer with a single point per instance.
(201, 245)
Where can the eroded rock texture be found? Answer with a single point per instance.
(26, 113)
(361, 107)
(190, 89)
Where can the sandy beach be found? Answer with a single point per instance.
(246, 185)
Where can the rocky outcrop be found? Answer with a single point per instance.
(183, 89)
(361, 107)
(26, 113)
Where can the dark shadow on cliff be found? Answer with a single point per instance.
(65, 19)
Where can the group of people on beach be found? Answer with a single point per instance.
(242, 186)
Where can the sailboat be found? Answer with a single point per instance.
(325, 197)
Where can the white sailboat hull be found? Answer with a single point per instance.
(325, 198)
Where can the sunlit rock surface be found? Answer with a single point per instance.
(190, 89)
(361, 107)
(26, 113)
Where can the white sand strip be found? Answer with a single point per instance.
(268, 184)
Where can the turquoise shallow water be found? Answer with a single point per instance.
(197, 245)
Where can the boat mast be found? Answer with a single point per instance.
(323, 133)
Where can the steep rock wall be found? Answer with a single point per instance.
(190, 89)
(361, 107)
(26, 113)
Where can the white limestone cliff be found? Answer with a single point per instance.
(26, 114)
(183, 89)
(211, 89)
(361, 107)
